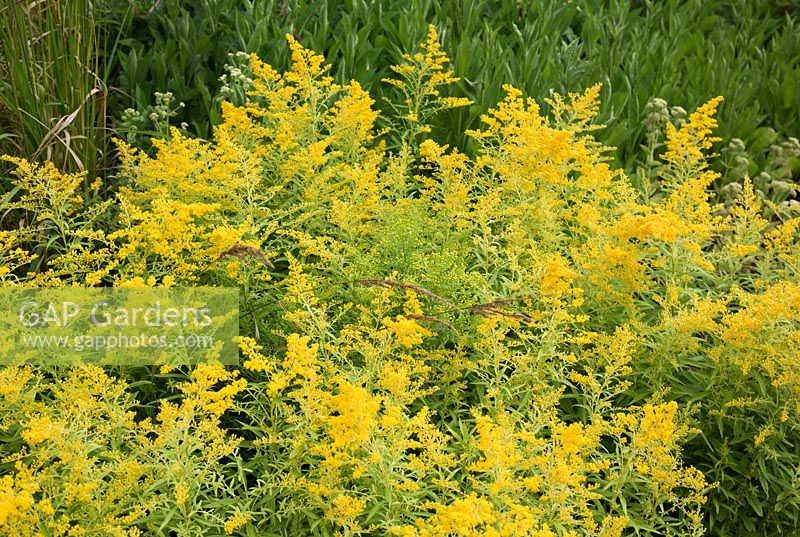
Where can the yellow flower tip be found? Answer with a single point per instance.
(234, 522)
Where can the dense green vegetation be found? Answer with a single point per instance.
(682, 52)
(505, 267)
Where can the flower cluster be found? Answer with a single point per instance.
(516, 343)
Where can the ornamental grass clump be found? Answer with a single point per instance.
(515, 344)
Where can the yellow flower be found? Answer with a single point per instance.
(181, 493)
(658, 425)
(463, 517)
(301, 357)
(345, 508)
(255, 360)
(13, 380)
(407, 331)
(356, 411)
(39, 429)
(557, 277)
(16, 495)
(234, 522)
(686, 145)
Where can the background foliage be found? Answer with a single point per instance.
(684, 52)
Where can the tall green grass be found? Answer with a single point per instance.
(682, 51)
(52, 90)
